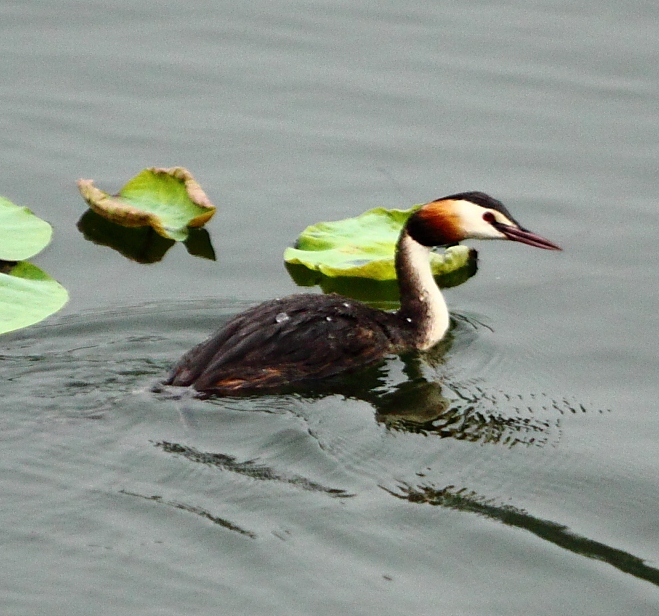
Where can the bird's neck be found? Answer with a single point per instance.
(421, 302)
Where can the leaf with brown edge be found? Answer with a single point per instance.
(168, 200)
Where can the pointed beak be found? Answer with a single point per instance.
(518, 234)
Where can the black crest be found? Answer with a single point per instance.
(484, 200)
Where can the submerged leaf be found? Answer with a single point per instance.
(22, 234)
(27, 295)
(169, 200)
(363, 247)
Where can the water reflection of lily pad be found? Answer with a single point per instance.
(142, 244)
(355, 256)
(168, 200)
(27, 295)
(22, 234)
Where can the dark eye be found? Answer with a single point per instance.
(489, 217)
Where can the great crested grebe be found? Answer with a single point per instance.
(306, 337)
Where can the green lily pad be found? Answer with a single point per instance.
(22, 234)
(169, 200)
(363, 247)
(380, 293)
(27, 296)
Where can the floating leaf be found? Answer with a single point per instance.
(27, 296)
(169, 200)
(381, 293)
(364, 247)
(22, 234)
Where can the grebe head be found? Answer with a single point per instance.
(449, 220)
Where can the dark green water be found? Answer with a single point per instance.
(535, 492)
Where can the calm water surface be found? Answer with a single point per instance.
(533, 492)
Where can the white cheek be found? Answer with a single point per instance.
(473, 225)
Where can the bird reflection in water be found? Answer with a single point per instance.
(414, 393)
(468, 501)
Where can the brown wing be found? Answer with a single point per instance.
(283, 341)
